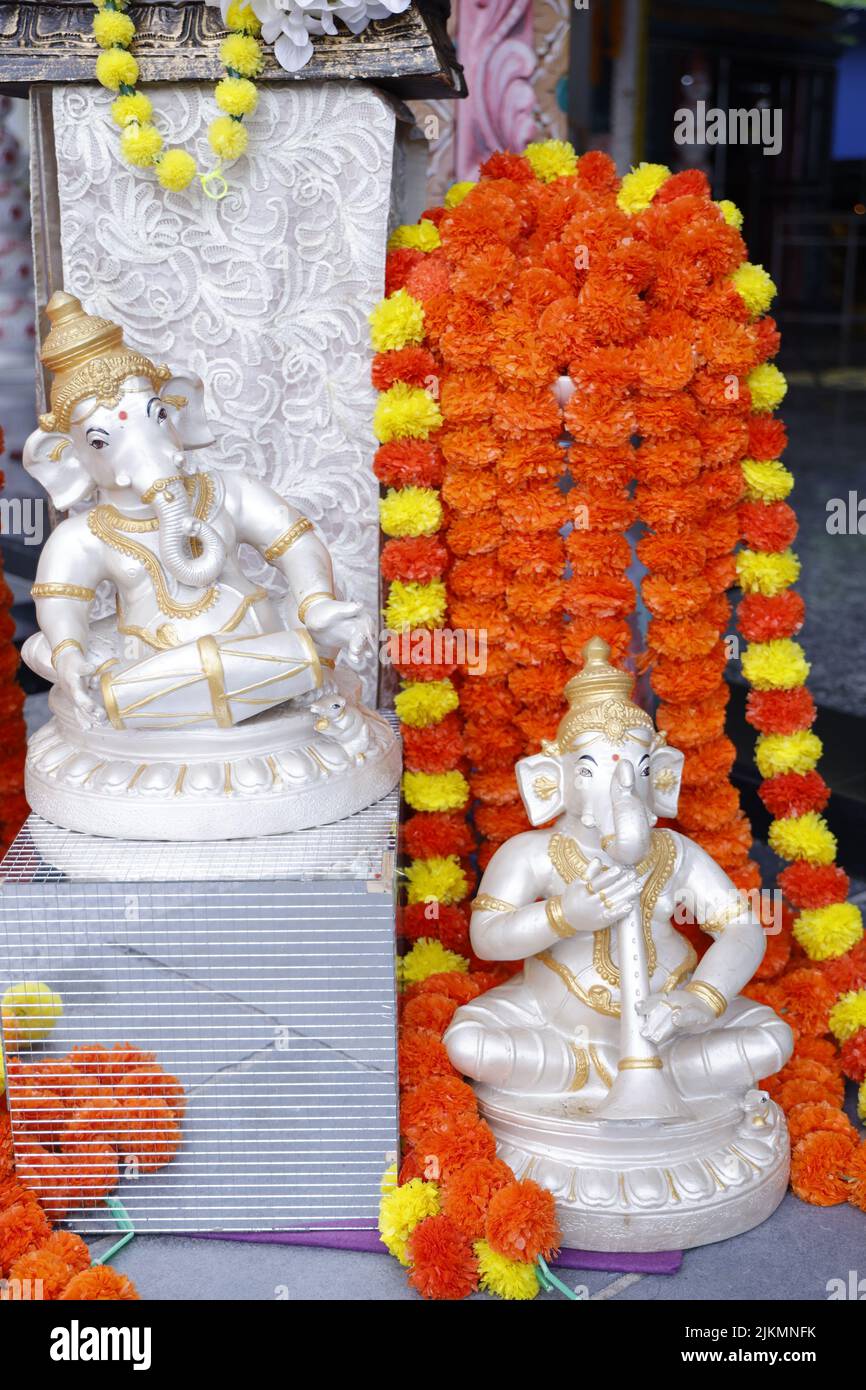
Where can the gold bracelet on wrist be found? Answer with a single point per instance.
(61, 647)
(556, 918)
(711, 996)
(306, 603)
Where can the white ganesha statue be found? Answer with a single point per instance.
(202, 708)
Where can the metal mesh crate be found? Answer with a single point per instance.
(261, 975)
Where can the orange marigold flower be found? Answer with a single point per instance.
(22, 1225)
(532, 642)
(466, 397)
(819, 1050)
(437, 748)
(504, 165)
(777, 954)
(71, 1249)
(405, 462)
(468, 489)
(475, 534)
(414, 559)
(678, 682)
(668, 462)
(397, 267)
(597, 171)
(807, 997)
(428, 280)
(730, 348)
(605, 469)
(457, 985)
(487, 276)
(39, 1114)
(530, 456)
(413, 364)
(821, 1166)
(672, 554)
(433, 1104)
(535, 599)
(767, 437)
(768, 526)
(709, 763)
(688, 183)
(793, 794)
(696, 722)
(600, 418)
(593, 554)
(780, 711)
(540, 686)
(721, 532)
(672, 508)
(100, 1282)
(52, 1272)
(769, 339)
(539, 506)
(466, 1195)
(809, 1069)
(680, 638)
(595, 509)
(723, 486)
(475, 445)
(605, 595)
(527, 409)
(500, 823)
(812, 885)
(433, 1012)
(849, 971)
(708, 808)
(494, 788)
(729, 846)
(91, 1170)
(675, 598)
(762, 619)
(443, 1264)
(665, 364)
(487, 217)
(853, 1054)
(538, 554)
(812, 1116)
(452, 1144)
(723, 437)
(421, 1057)
(521, 1222)
(437, 833)
(615, 631)
(149, 1134)
(610, 371)
(492, 747)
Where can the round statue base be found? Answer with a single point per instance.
(269, 775)
(644, 1186)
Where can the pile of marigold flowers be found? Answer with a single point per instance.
(78, 1118)
(31, 1251)
(506, 509)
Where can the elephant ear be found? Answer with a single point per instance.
(666, 775)
(540, 780)
(51, 459)
(184, 396)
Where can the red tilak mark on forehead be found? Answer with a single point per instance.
(615, 757)
(122, 415)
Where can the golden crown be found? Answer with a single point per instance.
(598, 702)
(87, 357)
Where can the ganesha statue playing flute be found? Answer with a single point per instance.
(203, 707)
(615, 1069)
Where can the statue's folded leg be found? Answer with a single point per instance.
(502, 1040)
(214, 682)
(748, 1043)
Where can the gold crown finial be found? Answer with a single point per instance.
(599, 701)
(88, 358)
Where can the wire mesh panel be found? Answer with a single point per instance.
(225, 1057)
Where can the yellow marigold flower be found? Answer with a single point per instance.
(421, 236)
(503, 1277)
(110, 28)
(777, 665)
(237, 96)
(135, 107)
(240, 16)
(551, 159)
(429, 957)
(389, 1179)
(848, 1015)
(396, 321)
(405, 412)
(638, 188)
(410, 511)
(767, 387)
(441, 878)
(140, 144)
(861, 1100)
(421, 703)
(778, 753)
(827, 932)
(767, 480)
(806, 837)
(435, 791)
(765, 572)
(115, 68)
(176, 170)
(228, 138)
(242, 53)
(731, 213)
(415, 605)
(457, 192)
(402, 1210)
(754, 287)
(30, 1009)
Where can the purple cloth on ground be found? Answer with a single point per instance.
(656, 1262)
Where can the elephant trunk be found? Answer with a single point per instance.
(191, 551)
(631, 825)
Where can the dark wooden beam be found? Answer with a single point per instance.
(410, 54)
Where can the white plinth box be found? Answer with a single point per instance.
(261, 973)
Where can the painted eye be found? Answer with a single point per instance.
(644, 772)
(98, 443)
(162, 415)
(584, 772)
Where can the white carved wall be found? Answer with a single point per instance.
(265, 293)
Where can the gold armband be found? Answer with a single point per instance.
(63, 591)
(556, 918)
(287, 540)
(485, 903)
(710, 995)
(739, 907)
(306, 603)
(61, 647)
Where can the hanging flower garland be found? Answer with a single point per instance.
(141, 143)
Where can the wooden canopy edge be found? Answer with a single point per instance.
(409, 54)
